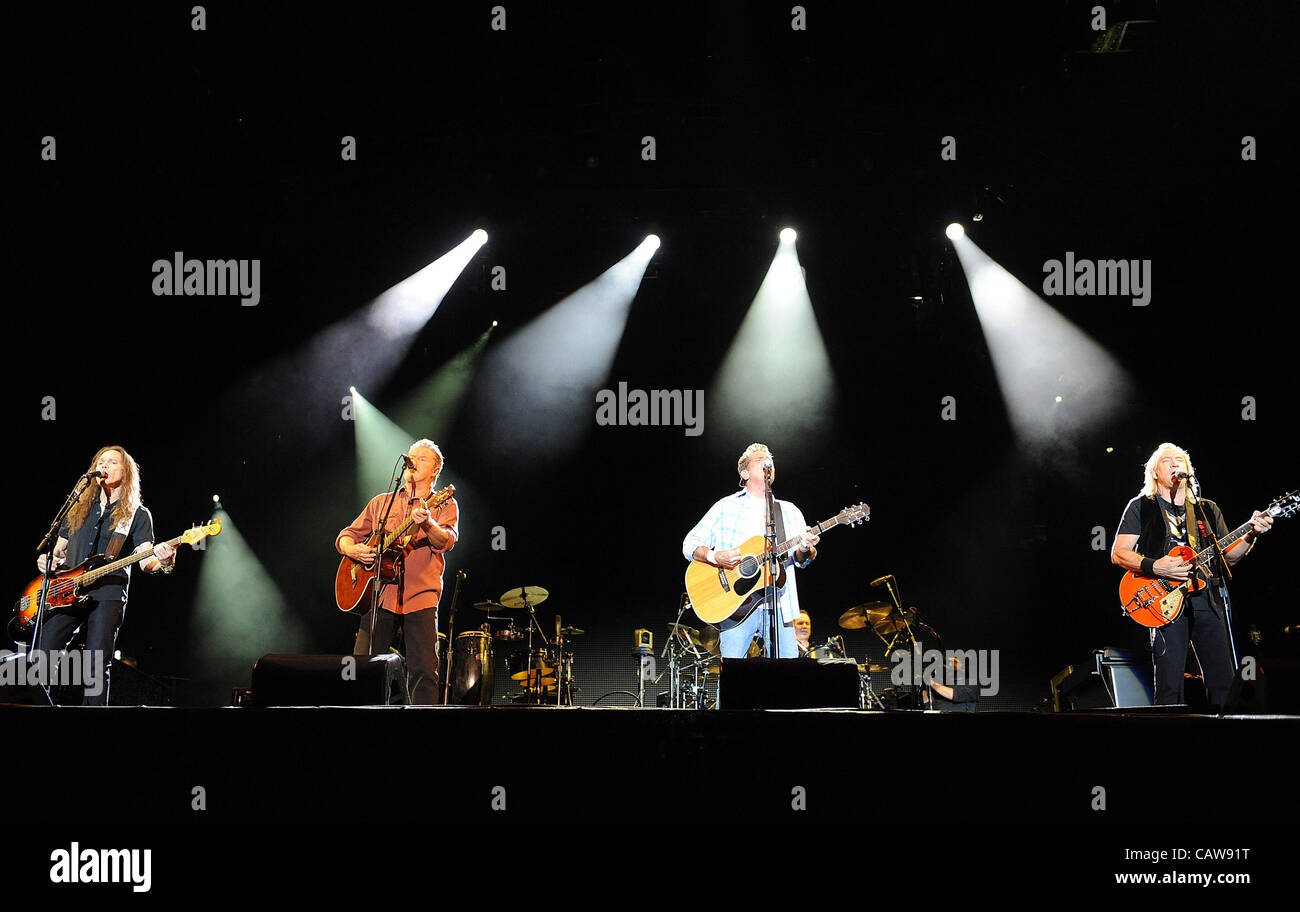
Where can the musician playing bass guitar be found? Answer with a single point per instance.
(1155, 522)
(109, 519)
(412, 598)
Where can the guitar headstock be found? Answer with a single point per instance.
(192, 537)
(856, 514)
(1286, 505)
(441, 497)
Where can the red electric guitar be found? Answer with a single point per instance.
(1154, 601)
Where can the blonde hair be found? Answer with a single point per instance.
(1149, 486)
(128, 497)
(750, 452)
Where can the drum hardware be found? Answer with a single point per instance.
(896, 627)
(544, 671)
(693, 655)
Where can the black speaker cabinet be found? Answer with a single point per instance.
(787, 684)
(329, 680)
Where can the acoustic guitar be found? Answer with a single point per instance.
(718, 594)
(354, 580)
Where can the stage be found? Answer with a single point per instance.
(682, 766)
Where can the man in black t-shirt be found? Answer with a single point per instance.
(108, 519)
(1155, 522)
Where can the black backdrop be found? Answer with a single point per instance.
(225, 143)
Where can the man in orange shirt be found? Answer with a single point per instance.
(411, 600)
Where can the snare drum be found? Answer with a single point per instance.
(471, 670)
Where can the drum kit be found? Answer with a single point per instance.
(542, 667)
(694, 659)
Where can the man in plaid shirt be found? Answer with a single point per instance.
(716, 540)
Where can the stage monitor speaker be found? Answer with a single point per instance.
(329, 680)
(1274, 687)
(787, 684)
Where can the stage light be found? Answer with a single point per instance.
(653, 241)
(788, 235)
(548, 400)
(234, 625)
(775, 382)
(216, 498)
(1033, 347)
(480, 236)
(1110, 449)
(954, 231)
(977, 217)
(494, 323)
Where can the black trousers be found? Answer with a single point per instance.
(102, 620)
(1202, 627)
(420, 635)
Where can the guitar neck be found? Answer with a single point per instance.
(1225, 542)
(92, 575)
(431, 503)
(786, 546)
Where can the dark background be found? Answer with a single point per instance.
(225, 143)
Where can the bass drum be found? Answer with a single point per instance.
(471, 670)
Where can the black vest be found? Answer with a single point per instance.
(1155, 536)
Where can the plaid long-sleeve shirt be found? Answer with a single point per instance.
(738, 517)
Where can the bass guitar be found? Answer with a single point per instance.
(718, 594)
(1154, 601)
(354, 580)
(69, 585)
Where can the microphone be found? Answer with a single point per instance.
(96, 474)
(409, 462)
(1182, 475)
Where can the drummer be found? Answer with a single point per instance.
(803, 634)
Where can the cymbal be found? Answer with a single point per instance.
(872, 669)
(489, 606)
(710, 638)
(893, 623)
(868, 613)
(572, 631)
(515, 597)
(706, 639)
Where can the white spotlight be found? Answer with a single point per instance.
(480, 236)
(954, 231)
(788, 235)
(652, 241)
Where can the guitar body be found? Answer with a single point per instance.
(25, 610)
(66, 585)
(1154, 601)
(718, 594)
(354, 582)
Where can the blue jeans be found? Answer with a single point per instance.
(736, 640)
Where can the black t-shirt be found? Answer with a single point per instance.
(1175, 523)
(93, 538)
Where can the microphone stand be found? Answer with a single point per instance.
(1193, 499)
(380, 583)
(769, 560)
(451, 639)
(47, 546)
